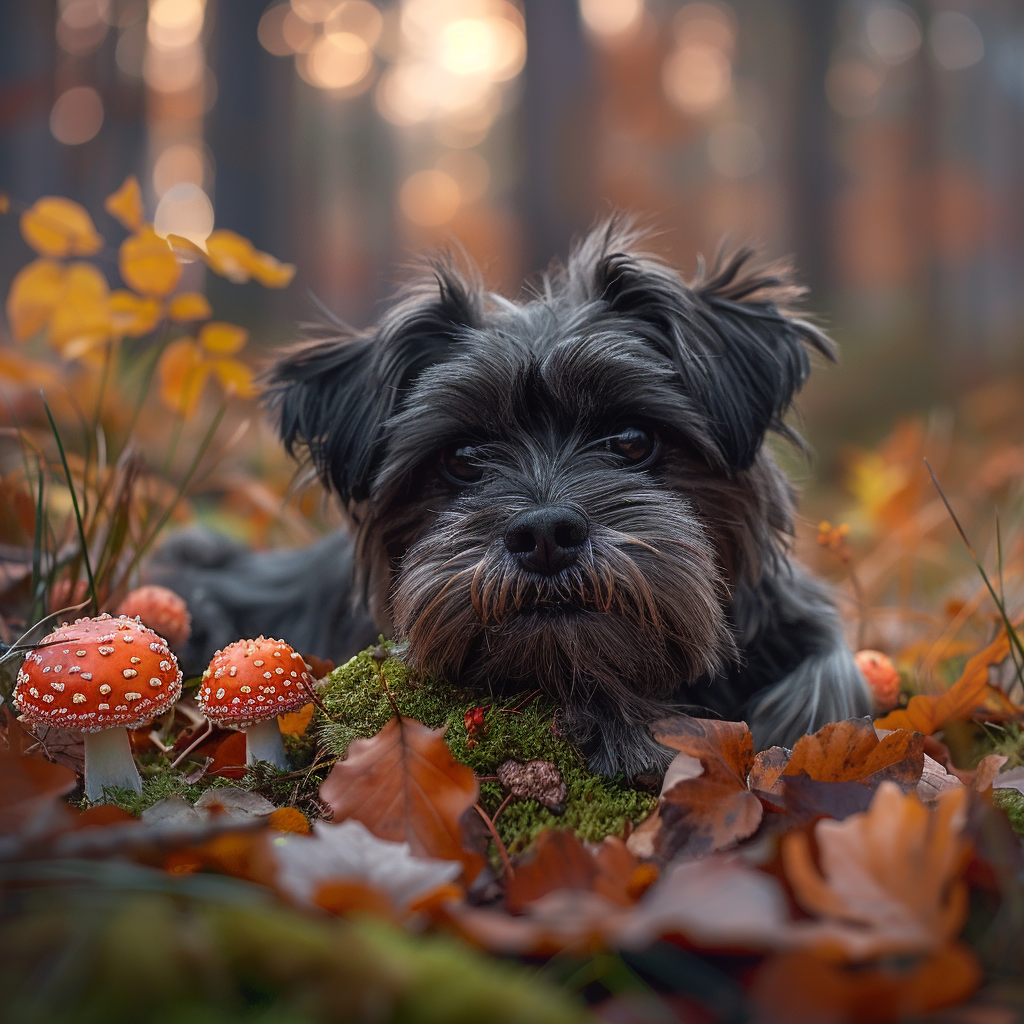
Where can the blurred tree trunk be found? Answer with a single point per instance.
(813, 176)
(557, 194)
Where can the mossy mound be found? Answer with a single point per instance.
(515, 727)
(1012, 804)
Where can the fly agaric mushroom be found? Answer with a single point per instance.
(247, 685)
(100, 676)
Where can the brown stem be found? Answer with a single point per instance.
(195, 743)
(504, 803)
(502, 852)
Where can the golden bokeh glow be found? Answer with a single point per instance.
(77, 116)
(429, 198)
(182, 163)
(611, 17)
(340, 60)
(174, 23)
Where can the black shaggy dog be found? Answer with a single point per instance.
(570, 493)
(573, 492)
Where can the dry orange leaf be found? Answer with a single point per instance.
(26, 783)
(147, 263)
(848, 751)
(927, 714)
(125, 205)
(270, 272)
(33, 295)
(886, 881)
(236, 378)
(404, 785)
(713, 810)
(189, 306)
(558, 860)
(185, 250)
(222, 339)
(17, 369)
(133, 315)
(55, 226)
(183, 372)
(295, 723)
(808, 986)
(81, 318)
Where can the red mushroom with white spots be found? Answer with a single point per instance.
(247, 685)
(100, 676)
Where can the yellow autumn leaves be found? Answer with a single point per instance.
(70, 303)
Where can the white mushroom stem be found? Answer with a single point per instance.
(109, 762)
(263, 743)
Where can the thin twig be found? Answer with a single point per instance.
(504, 803)
(506, 863)
(192, 746)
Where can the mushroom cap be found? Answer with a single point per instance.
(162, 610)
(97, 674)
(250, 681)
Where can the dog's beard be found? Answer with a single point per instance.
(611, 639)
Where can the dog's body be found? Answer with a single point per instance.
(573, 493)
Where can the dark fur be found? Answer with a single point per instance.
(684, 595)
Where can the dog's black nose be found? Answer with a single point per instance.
(547, 540)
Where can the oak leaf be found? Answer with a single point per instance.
(712, 810)
(55, 226)
(885, 882)
(962, 700)
(848, 751)
(404, 785)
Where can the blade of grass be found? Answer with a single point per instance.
(179, 494)
(37, 549)
(74, 504)
(1017, 663)
(1011, 631)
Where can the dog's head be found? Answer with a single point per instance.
(562, 492)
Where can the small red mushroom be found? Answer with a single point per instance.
(247, 685)
(160, 609)
(100, 676)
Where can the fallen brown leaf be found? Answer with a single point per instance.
(888, 881)
(297, 722)
(558, 860)
(713, 810)
(404, 785)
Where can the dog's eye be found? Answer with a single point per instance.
(462, 464)
(634, 444)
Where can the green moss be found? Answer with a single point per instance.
(1012, 802)
(516, 727)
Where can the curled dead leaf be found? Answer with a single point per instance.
(404, 785)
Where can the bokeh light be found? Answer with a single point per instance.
(853, 87)
(893, 32)
(612, 18)
(185, 209)
(174, 23)
(174, 70)
(956, 41)
(314, 11)
(359, 18)
(82, 25)
(77, 116)
(697, 74)
(270, 31)
(182, 163)
(429, 198)
(341, 60)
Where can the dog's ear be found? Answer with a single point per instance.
(737, 345)
(333, 395)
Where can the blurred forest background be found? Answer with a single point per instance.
(875, 141)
